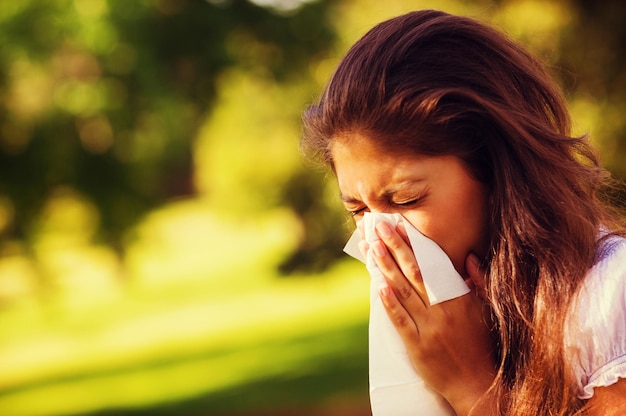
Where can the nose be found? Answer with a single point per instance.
(375, 206)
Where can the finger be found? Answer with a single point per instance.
(476, 276)
(401, 319)
(401, 228)
(402, 253)
(397, 263)
(400, 250)
(402, 287)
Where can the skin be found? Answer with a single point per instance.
(608, 401)
(450, 344)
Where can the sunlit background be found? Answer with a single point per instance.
(164, 248)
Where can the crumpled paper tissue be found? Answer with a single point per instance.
(396, 389)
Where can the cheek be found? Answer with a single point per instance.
(466, 229)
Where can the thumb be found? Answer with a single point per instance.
(476, 279)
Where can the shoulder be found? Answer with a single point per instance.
(608, 401)
(596, 331)
(610, 249)
(604, 288)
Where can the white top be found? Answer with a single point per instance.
(596, 336)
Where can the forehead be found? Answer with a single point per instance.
(360, 162)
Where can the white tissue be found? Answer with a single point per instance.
(395, 387)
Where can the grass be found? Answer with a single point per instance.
(282, 347)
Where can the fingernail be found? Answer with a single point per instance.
(384, 229)
(378, 248)
(384, 291)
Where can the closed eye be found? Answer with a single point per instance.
(411, 202)
(407, 203)
(356, 212)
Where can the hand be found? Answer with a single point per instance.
(450, 344)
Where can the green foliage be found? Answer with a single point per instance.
(106, 97)
(594, 57)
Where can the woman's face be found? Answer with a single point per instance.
(436, 194)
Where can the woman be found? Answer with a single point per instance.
(458, 129)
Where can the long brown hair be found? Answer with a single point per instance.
(432, 83)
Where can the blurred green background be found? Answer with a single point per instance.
(164, 248)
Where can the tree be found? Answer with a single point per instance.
(105, 98)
